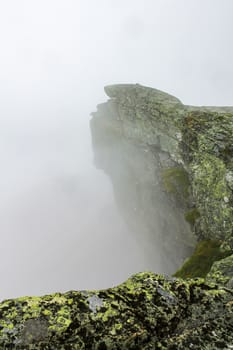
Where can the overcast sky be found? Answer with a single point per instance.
(55, 58)
(182, 46)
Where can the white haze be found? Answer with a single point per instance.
(60, 227)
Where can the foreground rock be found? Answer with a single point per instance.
(148, 311)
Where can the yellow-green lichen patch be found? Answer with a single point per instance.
(31, 306)
(61, 320)
(31, 319)
(199, 264)
(147, 311)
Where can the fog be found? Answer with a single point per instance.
(60, 227)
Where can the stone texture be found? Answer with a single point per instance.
(222, 272)
(199, 139)
(208, 152)
(148, 311)
(128, 149)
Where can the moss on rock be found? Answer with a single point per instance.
(199, 264)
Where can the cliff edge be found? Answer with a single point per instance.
(182, 158)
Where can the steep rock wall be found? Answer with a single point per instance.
(133, 151)
(198, 140)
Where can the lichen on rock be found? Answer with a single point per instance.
(148, 311)
(207, 144)
(222, 272)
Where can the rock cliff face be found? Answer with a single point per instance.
(143, 161)
(190, 148)
(156, 150)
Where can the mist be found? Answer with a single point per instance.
(60, 226)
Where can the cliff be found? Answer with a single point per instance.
(193, 147)
(171, 167)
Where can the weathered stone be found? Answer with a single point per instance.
(148, 116)
(148, 311)
(208, 153)
(199, 139)
(222, 272)
(151, 190)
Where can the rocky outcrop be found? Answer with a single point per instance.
(134, 146)
(146, 312)
(171, 167)
(197, 141)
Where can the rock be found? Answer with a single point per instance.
(229, 179)
(208, 153)
(222, 272)
(197, 139)
(148, 311)
(147, 115)
(151, 189)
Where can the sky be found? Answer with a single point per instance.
(56, 57)
(180, 46)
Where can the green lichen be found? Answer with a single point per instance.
(199, 264)
(212, 197)
(147, 312)
(207, 139)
